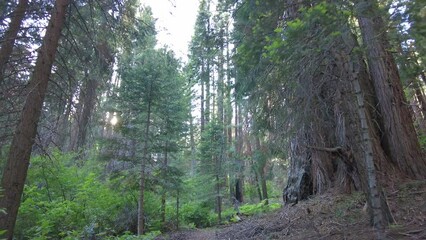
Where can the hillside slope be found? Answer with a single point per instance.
(328, 216)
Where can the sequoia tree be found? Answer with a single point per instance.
(399, 136)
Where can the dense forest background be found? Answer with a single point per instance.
(105, 134)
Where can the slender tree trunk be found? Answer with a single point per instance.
(399, 134)
(220, 83)
(163, 195)
(15, 172)
(10, 35)
(177, 210)
(258, 187)
(89, 102)
(192, 143)
(145, 157)
(220, 115)
(238, 149)
(218, 198)
(260, 165)
(380, 214)
(75, 124)
(202, 99)
(63, 125)
(264, 187)
(208, 82)
(231, 156)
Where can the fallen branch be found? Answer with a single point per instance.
(325, 149)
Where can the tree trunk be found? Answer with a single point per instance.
(177, 210)
(89, 101)
(260, 167)
(163, 195)
(400, 141)
(192, 145)
(220, 115)
(420, 98)
(218, 199)
(220, 83)
(15, 172)
(264, 187)
(202, 100)
(207, 110)
(380, 215)
(299, 182)
(238, 149)
(145, 158)
(10, 35)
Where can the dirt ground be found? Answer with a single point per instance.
(328, 216)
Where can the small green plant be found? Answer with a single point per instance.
(422, 140)
(262, 207)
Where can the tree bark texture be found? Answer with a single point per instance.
(332, 120)
(15, 172)
(380, 215)
(299, 181)
(260, 163)
(399, 136)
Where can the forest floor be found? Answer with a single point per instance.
(328, 216)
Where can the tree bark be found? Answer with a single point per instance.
(380, 215)
(400, 141)
(260, 165)
(6, 48)
(15, 172)
(299, 181)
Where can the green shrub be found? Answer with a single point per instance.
(63, 200)
(196, 214)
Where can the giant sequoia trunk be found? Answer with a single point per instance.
(15, 172)
(372, 154)
(399, 136)
(299, 181)
(326, 152)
